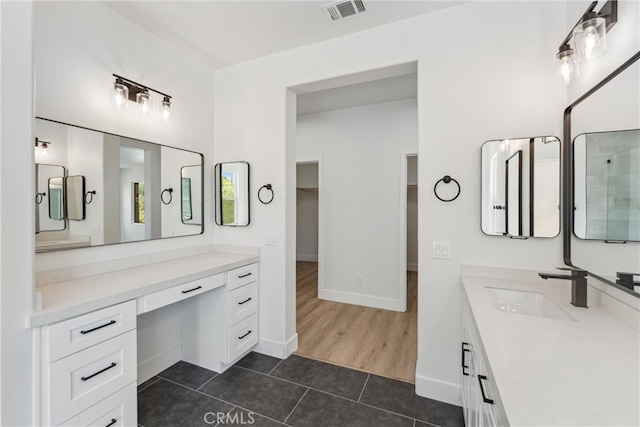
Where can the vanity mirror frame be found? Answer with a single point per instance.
(568, 181)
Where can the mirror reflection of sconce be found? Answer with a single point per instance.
(125, 90)
(169, 191)
(42, 147)
(589, 39)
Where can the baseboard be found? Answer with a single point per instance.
(159, 363)
(412, 267)
(359, 299)
(277, 349)
(307, 258)
(438, 390)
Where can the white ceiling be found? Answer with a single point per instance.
(233, 31)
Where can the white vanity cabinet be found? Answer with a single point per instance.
(232, 315)
(88, 368)
(480, 400)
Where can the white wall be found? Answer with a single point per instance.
(493, 78)
(362, 202)
(17, 227)
(78, 46)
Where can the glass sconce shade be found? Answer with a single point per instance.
(165, 110)
(145, 103)
(589, 39)
(120, 96)
(567, 68)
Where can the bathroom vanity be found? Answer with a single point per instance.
(85, 333)
(531, 358)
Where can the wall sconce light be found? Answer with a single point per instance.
(42, 147)
(589, 39)
(125, 90)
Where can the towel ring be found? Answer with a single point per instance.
(167, 190)
(446, 179)
(39, 197)
(90, 194)
(269, 188)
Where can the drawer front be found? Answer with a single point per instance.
(241, 337)
(117, 410)
(73, 335)
(243, 275)
(83, 379)
(180, 292)
(242, 302)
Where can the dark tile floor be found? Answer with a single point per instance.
(264, 391)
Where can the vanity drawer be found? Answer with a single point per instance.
(83, 379)
(73, 335)
(117, 410)
(242, 276)
(242, 302)
(180, 292)
(241, 337)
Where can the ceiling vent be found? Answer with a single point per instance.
(339, 10)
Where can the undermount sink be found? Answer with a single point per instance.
(529, 303)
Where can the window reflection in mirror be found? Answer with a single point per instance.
(521, 187)
(607, 186)
(56, 198)
(232, 193)
(191, 194)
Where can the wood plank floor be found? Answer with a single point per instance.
(380, 342)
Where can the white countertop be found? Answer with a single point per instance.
(72, 297)
(583, 371)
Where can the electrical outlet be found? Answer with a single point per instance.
(441, 250)
(359, 280)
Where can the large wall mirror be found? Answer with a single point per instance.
(232, 194)
(521, 187)
(103, 189)
(602, 233)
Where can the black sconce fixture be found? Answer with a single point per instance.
(125, 90)
(589, 39)
(42, 147)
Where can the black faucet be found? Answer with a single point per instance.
(626, 280)
(578, 279)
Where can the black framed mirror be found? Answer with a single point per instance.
(232, 194)
(612, 108)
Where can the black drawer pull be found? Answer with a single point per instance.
(242, 276)
(245, 301)
(113, 364)
(191, 290)
(98, 327)
(244, 336)
(463, 351)
(113, 421)
(484, 396)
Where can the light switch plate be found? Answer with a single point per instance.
(271, 238)
(441, 250)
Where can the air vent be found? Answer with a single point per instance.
(340, 10)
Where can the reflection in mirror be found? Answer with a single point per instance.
(128, 176)
(74, 189)
(49, 200)
(191, 194)
(521, 187)
(232, 193)
(607, 186)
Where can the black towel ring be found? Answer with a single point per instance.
(90, 194)
(167, 190)
(39, 197)
(269, 188)
(446, 179)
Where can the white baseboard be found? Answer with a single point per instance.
(412, 266)
(359, 299)
(277, 349)
(159, 363)
(438, 390)
(307, 257)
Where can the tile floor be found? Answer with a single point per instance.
(265, 391)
